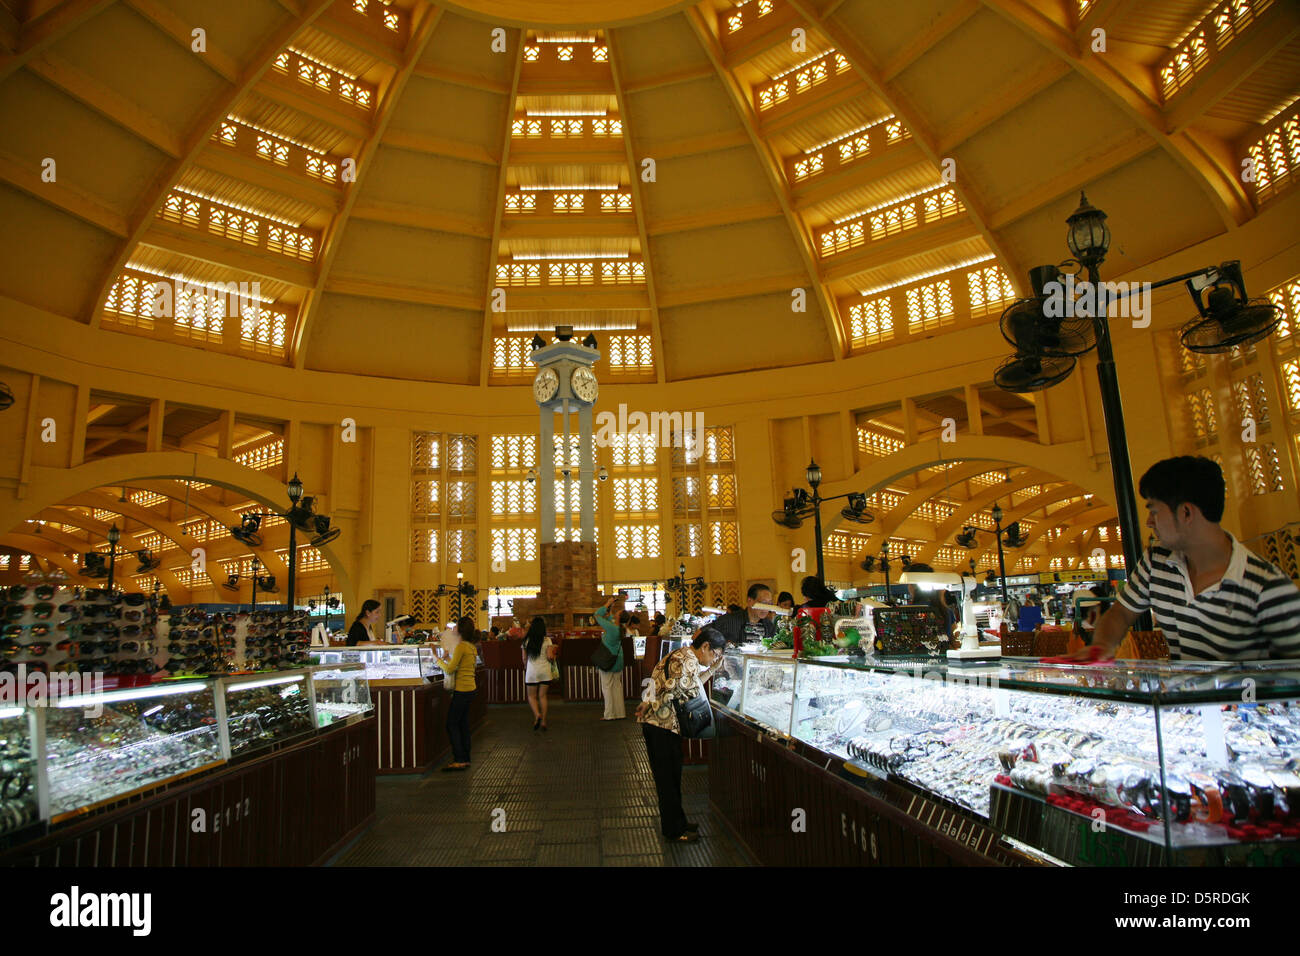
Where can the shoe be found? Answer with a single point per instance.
(687, 837)
(545, 728)
(537, 723)
(452, 767)
(692, 828)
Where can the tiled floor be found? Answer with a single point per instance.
(580, 794)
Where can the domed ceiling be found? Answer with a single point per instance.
(410, 190)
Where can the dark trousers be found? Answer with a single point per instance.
(458, 724)
(664, 748)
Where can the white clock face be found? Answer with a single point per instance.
(545, 385)
(584, 385)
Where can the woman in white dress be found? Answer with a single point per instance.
(539, 665)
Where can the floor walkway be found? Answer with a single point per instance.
(580, 794)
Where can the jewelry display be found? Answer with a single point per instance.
(341, 692)
(18, 806)
(1066, 735)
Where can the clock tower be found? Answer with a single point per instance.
(565, 384)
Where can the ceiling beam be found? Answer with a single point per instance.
(424, 20)
(180, 29)
(201, 245)
(864, 67)
(924, 42)
(62, 195)
(113, 107)
(859, 173)
(638, 209)
(958, 472)
(1127, 150)
(772, 167)
(776, 27)
(326, 108)
(1113, 77)
(1104, 14)
(468, 80)
(195, 141)
(1003, 101)
(711, 218)
(687, 75)
(904, 245)
(498, 211)
(42, 32)
(337, 25)
(416, 217)
(264, 175)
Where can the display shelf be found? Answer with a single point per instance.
(389, 664)
(21, 797)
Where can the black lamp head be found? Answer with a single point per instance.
(1088, 236)
(232, 581)
(295, 488)
(589, 341)
(538, 342)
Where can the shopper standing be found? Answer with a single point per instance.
(359, 632)
(611, 681)
(538, 652)
(678, 678)
(460, 671)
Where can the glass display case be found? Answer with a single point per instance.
(20, 804)
(101, 746)
(392, 664)
(1189, 756)
(261, 711)
(341, 691)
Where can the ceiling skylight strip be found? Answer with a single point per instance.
(988, 257)
(852, 132)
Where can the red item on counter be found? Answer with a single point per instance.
(1094, 654)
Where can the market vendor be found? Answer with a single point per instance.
(359, 632)
(1213, 598)
(750, 625)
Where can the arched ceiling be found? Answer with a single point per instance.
(452, 130)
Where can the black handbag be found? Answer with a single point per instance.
(694, 717)
(602, 659)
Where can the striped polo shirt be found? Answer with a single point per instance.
(1251, 614)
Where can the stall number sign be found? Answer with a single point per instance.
(948, 822)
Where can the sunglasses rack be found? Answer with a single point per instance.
(48, 628)
(207, 643)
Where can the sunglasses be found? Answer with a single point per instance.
(134, 600)
(36, 647)
(130, 630)
(15, 612)
(42, 611)
(100, 610)
(45, 592)
(133, 615)
(108, 630)
(10, 648)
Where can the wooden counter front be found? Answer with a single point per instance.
(580, 680)
(412, 723)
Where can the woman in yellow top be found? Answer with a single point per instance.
(460, 673)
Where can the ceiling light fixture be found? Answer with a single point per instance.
(565, 256)
(281, 136)
(186, 280)
(920, 277)
(567, 189)
(799, 66)
(892, 202)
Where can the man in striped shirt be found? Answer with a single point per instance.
(1213, 599)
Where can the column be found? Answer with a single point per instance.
(586, 475)
(546, 473)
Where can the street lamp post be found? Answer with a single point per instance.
(802, 505)
(114, 536)
(295, 495)
(1002, 564)
(1089, 240)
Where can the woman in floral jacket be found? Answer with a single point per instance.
(679, 677)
